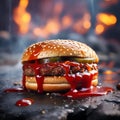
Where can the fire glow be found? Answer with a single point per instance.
(60, 20)
(104, 21)
(21, 17)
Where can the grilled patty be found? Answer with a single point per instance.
(53, 70)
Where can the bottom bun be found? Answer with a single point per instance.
(52, 84)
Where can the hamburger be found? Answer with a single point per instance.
(59, 65)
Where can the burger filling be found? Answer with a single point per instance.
(76, 70)
(58, 70)
(52, 66)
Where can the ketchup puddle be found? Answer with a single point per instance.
(24, 102)
(88, 92)
(85, 92)
(14, 90)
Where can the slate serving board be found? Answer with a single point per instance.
(53, 106)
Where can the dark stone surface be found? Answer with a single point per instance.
(53, 106)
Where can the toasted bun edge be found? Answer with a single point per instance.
(57, 48)
(53, 83)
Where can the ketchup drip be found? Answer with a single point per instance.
(71, 78)
(39, 80)
(84, 79)
(24, 102)
(23, 82)
(77, 80)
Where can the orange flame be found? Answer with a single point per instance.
(21, 17)
(66, 21)
(104, 21)
(58, 8)
(83, 25)
(99, 29)
(108, 72)
(107, 19)
(54, 25)
(51, 27)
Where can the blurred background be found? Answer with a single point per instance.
(24, 22)
(94, 22)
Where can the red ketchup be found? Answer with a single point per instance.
(14, 90)
(84, 79)
(24, 102)
(88, 92)
(39, 78)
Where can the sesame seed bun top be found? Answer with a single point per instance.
(58, 48)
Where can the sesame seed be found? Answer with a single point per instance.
(67, 49)
(34, 46)
(61, 49)
(64, 52)
(44, 46)
(74, 52)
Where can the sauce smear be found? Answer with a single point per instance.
(88, 92)
(39, 80)
(81, 80)
(24, 102)
(14, 90)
